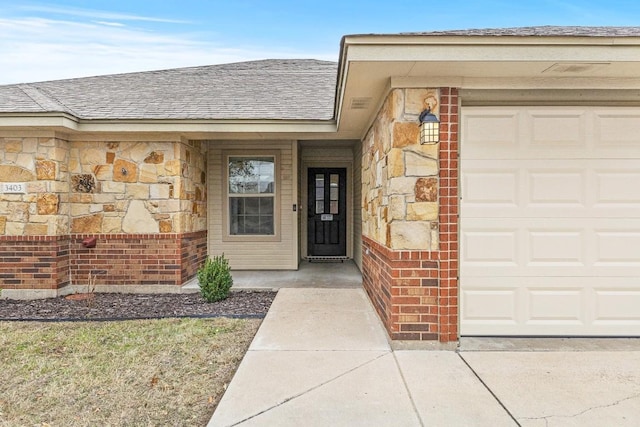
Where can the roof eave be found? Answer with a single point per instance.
(67, 123)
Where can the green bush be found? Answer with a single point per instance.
(215, 279)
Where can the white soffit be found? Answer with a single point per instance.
(372, 65)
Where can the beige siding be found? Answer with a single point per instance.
(254, 255)
(357, 205)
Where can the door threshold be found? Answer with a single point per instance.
(327, 258)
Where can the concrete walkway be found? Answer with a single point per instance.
(321, 358)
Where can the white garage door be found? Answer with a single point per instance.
(550, 221)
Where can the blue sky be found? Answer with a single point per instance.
(48, 40)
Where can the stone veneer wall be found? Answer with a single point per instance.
(410, 213)
(144, 201)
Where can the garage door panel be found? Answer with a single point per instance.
(490, 304)
(617, 130)
(618, 248)
(562, 306)
(550, 221)
(557, 306)
(578, 247)
(618, 187)
(554, 129)
(617, 305)
(546, 188)
(494, 132)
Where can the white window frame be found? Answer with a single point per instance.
(226, 235)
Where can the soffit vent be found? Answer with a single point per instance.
(575, 67)
(360, 103)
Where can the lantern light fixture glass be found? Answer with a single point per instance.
(429, 127)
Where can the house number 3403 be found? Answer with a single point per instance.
(14, 187)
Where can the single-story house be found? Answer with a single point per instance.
(520, 218)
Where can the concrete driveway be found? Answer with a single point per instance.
(321, 358)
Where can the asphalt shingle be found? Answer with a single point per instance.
(292, 89)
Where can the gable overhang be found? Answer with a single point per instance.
(372, 65)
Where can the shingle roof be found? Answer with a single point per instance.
(540, 31)
(291, 89)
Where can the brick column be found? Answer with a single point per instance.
(411, 274)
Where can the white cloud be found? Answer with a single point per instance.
(36, 49)
(98, 14)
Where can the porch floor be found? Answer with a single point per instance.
(342, 275)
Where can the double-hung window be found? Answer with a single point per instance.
(251, 195)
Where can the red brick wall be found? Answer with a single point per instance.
(448, 215)
(416, 292)
(138, 259)
(34, 262)
(50, 262)
(193, 253)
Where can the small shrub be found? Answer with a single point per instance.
(215, 279)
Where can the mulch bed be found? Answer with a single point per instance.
(110, 306)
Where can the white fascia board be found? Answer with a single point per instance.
(476, 40)
(494, 53)
(47, 120)
(172, 126)
(196, 126)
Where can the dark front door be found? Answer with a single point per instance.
(327, 212)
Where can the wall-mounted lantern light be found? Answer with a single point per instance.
(429, 127)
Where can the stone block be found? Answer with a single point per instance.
(418, 165)
(18, 212)
(402, 185)
(59, 154)
(138, 191)
(47, 204)
(45, 170)
(137, 152)
(74, 166)
(417, 100)
(395, 163)
(37, 187)
(125, 171)
(405, 134)
(32, 229)
(59, 187)
(160, 191)
(79, 209)
(426, 190)
(39, 219)
(87, 224)
(173, 167)
(397, 207)
(138, 219)
(110, 158)
(148, 173)
(13, 146)
(113, 187)
(426, 150)
(422, 211)
(112, 225)
(14, 228)
(3, 224)
(95, 207)
(91, 156)
(83, 183)
(414, 235)
(166, 226)
(155, 158)
(30, 145)
(11, 173)
(103, 172)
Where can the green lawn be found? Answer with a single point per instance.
(127, 373)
